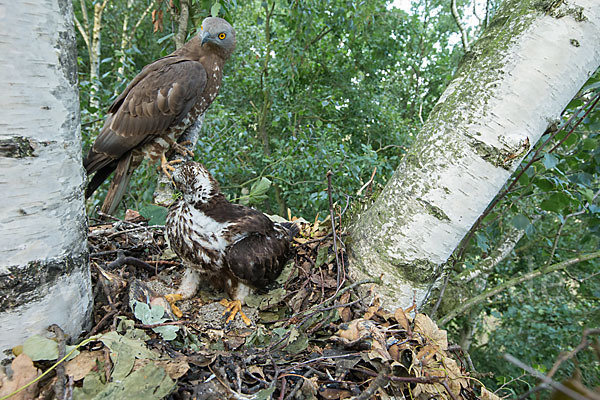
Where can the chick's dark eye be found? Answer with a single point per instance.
(222, 35)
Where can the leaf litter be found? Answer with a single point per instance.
(311, 338)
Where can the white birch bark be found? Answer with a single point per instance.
(517, 79)
(44, 270)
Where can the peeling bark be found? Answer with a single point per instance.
(517, 79)
(44, 271)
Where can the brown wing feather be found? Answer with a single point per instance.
(159, 97)
(259, 249)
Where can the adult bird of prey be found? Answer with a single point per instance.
(157, 107)
(236, 248)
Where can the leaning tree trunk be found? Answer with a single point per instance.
(44, 270)
(530, 62)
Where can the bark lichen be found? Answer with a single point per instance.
(16, 147)
(23, 284)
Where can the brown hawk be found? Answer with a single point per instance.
(159, 104)
(237, 248)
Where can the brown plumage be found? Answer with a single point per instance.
(159, 104)
(237, 248)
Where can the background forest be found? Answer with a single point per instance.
(344, 86)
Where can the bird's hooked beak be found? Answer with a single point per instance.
(206, 38)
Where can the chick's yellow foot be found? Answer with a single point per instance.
(167, 166)
(232, 308)
(172, 298)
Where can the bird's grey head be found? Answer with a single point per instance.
(195, 183)
(218, 33)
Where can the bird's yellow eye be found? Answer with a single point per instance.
(222, 35)
(201, 28)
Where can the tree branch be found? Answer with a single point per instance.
(513, 282)
(83, 33)
(461, 28)
(183, 23)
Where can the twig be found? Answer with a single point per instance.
(60, 384)
(136, 262)
(445, 385)
(368, 182)
(150, 326)
(513, 282)
(440, 297)
(101, 323)
(337, 261)
(380, 381)
(556, 385)
(567, 356)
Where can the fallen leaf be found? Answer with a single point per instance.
(123, 352)
(175, 368)
(23, 373)
(487, 395)
(401, 318)
(426, 327)
(81, 365)
(40, 348)
(150, 382)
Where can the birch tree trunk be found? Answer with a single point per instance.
(530, 62)
(44, 271)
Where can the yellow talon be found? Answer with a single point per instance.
(172, 298)
(232, 308)
(167, 166)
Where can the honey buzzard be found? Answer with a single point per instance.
(157, 107)
(237, 248)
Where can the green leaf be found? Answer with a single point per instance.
(168, 332)
(482, 242)
(297, 342)
(264, 394)
(520, 222)
(123, 353)
(150, 383)
(214, 10)
(544, 184)
(556, 202)
(549, 161)
(156, 215)
(321, 256)
(166, 37)
(141, 311)
(261, 187)
(40, 348)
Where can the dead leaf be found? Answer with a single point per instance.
(81, 365)
(426, 327)
(133, 216)
(23, 373)
(175, 368)
(371, 312)
(256, 370)
(487, 395)
(400, 317)
(333, 393)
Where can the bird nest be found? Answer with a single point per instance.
(315, 333)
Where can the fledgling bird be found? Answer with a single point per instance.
(157, 107)
(237, 248)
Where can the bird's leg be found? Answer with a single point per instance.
(181, 149)
(187, 289)
(167, 166)
(233, 307)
